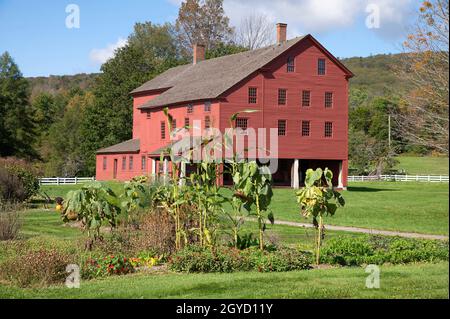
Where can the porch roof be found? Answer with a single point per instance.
(130, 146)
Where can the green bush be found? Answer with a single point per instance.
(348, 251)
(18, 181)
(229, 259)
(36, 268)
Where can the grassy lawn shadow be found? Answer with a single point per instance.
(369, 189)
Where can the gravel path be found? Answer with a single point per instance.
(364, 230)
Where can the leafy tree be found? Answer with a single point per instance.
(425, 120)
(369, 149)
(63, 146)
(223, 49)
(202, 21)
(150, 50)
(16, 126)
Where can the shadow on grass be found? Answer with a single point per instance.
(369, 189)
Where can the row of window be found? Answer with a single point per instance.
(186, 124)
(124, 163)
(242, 123)
(190, 109)
(282, 97)
(321, 65)
(305, 128)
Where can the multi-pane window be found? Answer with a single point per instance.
(306, 98)
(174, 124)
(242, 123)
(290, 64)
(281, 127)
(207, 122)
(282, 93)
(321, 66)
(143, 163)
(328, 129)
(163, 130)
(252, 95)
(207, 106)
(148, 115)
(306, 127)
(328, 99)
(190, 108)
(105, 161)
(124, 163)
(130, 162)
(186, 121)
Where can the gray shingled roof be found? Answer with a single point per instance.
(130, 146)
(210, 78)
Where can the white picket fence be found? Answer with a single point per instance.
(65, 180)
(400, 178)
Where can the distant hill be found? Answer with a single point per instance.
(374, 73)
(58, 83)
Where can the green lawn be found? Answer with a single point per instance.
(402, 281)
(401, 206)
(423, 165)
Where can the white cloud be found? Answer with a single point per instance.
(319, 16)
(100, 56)
(312, 16)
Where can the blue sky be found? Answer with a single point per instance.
(35, 32)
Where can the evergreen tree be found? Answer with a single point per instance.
(17, 130)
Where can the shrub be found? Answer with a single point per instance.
(348, 251)
(18, 181)
(36, 268)
(156, 232)
(9, 221)
(106, 266)
(229, 259)
(9, 225)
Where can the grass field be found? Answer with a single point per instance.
(403, 281)
(383, 204)
(407, 206)
(423, 165)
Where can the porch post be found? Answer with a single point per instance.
(165, 169)
(340, 184)
(153, 172)
(182, 172)
(295, 179)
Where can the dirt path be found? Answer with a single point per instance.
(364, 230)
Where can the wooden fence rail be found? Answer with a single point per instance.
(401, 178)
(65, 180)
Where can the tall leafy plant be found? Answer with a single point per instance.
(254, 188)
(319, 199)
(235, 169)
(94, 204)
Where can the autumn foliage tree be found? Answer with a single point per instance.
(424, 121)
(202, 21)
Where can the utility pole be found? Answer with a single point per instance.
(389, 130)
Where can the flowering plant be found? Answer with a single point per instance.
(108, 265)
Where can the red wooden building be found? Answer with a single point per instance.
(297, 86)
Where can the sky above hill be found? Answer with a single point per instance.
(37, 35)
